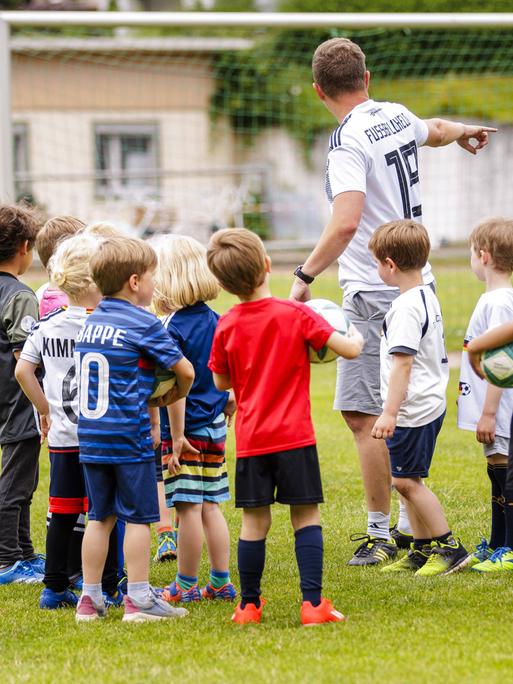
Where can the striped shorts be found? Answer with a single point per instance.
(203, 476)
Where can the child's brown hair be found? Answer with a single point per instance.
(53, 231)
(404, 241)
(118, 258)
(495, 235)
(236, 257)
(17, 225)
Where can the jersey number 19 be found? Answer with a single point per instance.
(407, 175)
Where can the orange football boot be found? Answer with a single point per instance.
(317, 615)
(250, 613)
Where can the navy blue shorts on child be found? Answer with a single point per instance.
(291, 477)
(158, 463)
(411, 449)
(67, 486)
(127, 490)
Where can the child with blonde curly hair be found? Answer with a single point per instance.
(51, 345)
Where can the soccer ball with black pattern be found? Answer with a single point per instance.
(335, 316)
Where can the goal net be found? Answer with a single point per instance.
(192, 129)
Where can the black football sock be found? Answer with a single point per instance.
(508, 514)
(75, 548)
(310, 555)
(446, 538)
(418, 544)
(58, 537)
(497, 475)
(251, 561)
(110, 570)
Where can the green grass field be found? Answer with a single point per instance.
(400, 629)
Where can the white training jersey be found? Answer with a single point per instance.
(413, 325)
(492, 309)
(374, 151)
(51, 344)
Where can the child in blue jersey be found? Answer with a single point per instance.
(115, 354)
(193, 460)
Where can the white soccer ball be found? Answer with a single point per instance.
(334, 315)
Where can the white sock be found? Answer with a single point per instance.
(378, 525)
(139, 591)
(403, 524)
(94, 591)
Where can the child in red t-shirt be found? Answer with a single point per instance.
(260, 349)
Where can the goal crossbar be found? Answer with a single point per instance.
(264, 19)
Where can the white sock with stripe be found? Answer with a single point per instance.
(403, 524)
(378, 525)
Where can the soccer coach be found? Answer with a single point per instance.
(372, 177)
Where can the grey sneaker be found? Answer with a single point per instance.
(154, 609)
(372, 550)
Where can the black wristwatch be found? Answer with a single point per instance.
(303, 276)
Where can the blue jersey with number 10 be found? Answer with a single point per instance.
(115, 353)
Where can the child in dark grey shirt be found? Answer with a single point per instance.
(19, 434)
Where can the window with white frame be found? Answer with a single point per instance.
(126, 160)
(22, 186)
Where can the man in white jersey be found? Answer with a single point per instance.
(372, 177)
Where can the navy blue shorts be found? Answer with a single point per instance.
(127, 490)
(411, 449)
(158, 463)
(67, 486)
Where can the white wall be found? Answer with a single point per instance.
(458, 189)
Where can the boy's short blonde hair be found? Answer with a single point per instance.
(495, 235)
(338, 66)
(183, 277)
(53, 231)
(102, 229)
(118, 258)
(69, 266)
(404, 241)
(236, 257)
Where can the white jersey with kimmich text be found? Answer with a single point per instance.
(414, 326)
(51, 344)
(492, 309)
(374, 151)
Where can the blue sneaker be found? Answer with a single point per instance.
(113, 600)
(482, 553)
(50, 600)
(225, 593)
(38, 564)
(20, 572)
(76, 582)
(166, 547)
(175, 594)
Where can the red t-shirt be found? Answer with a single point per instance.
(263, 347)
